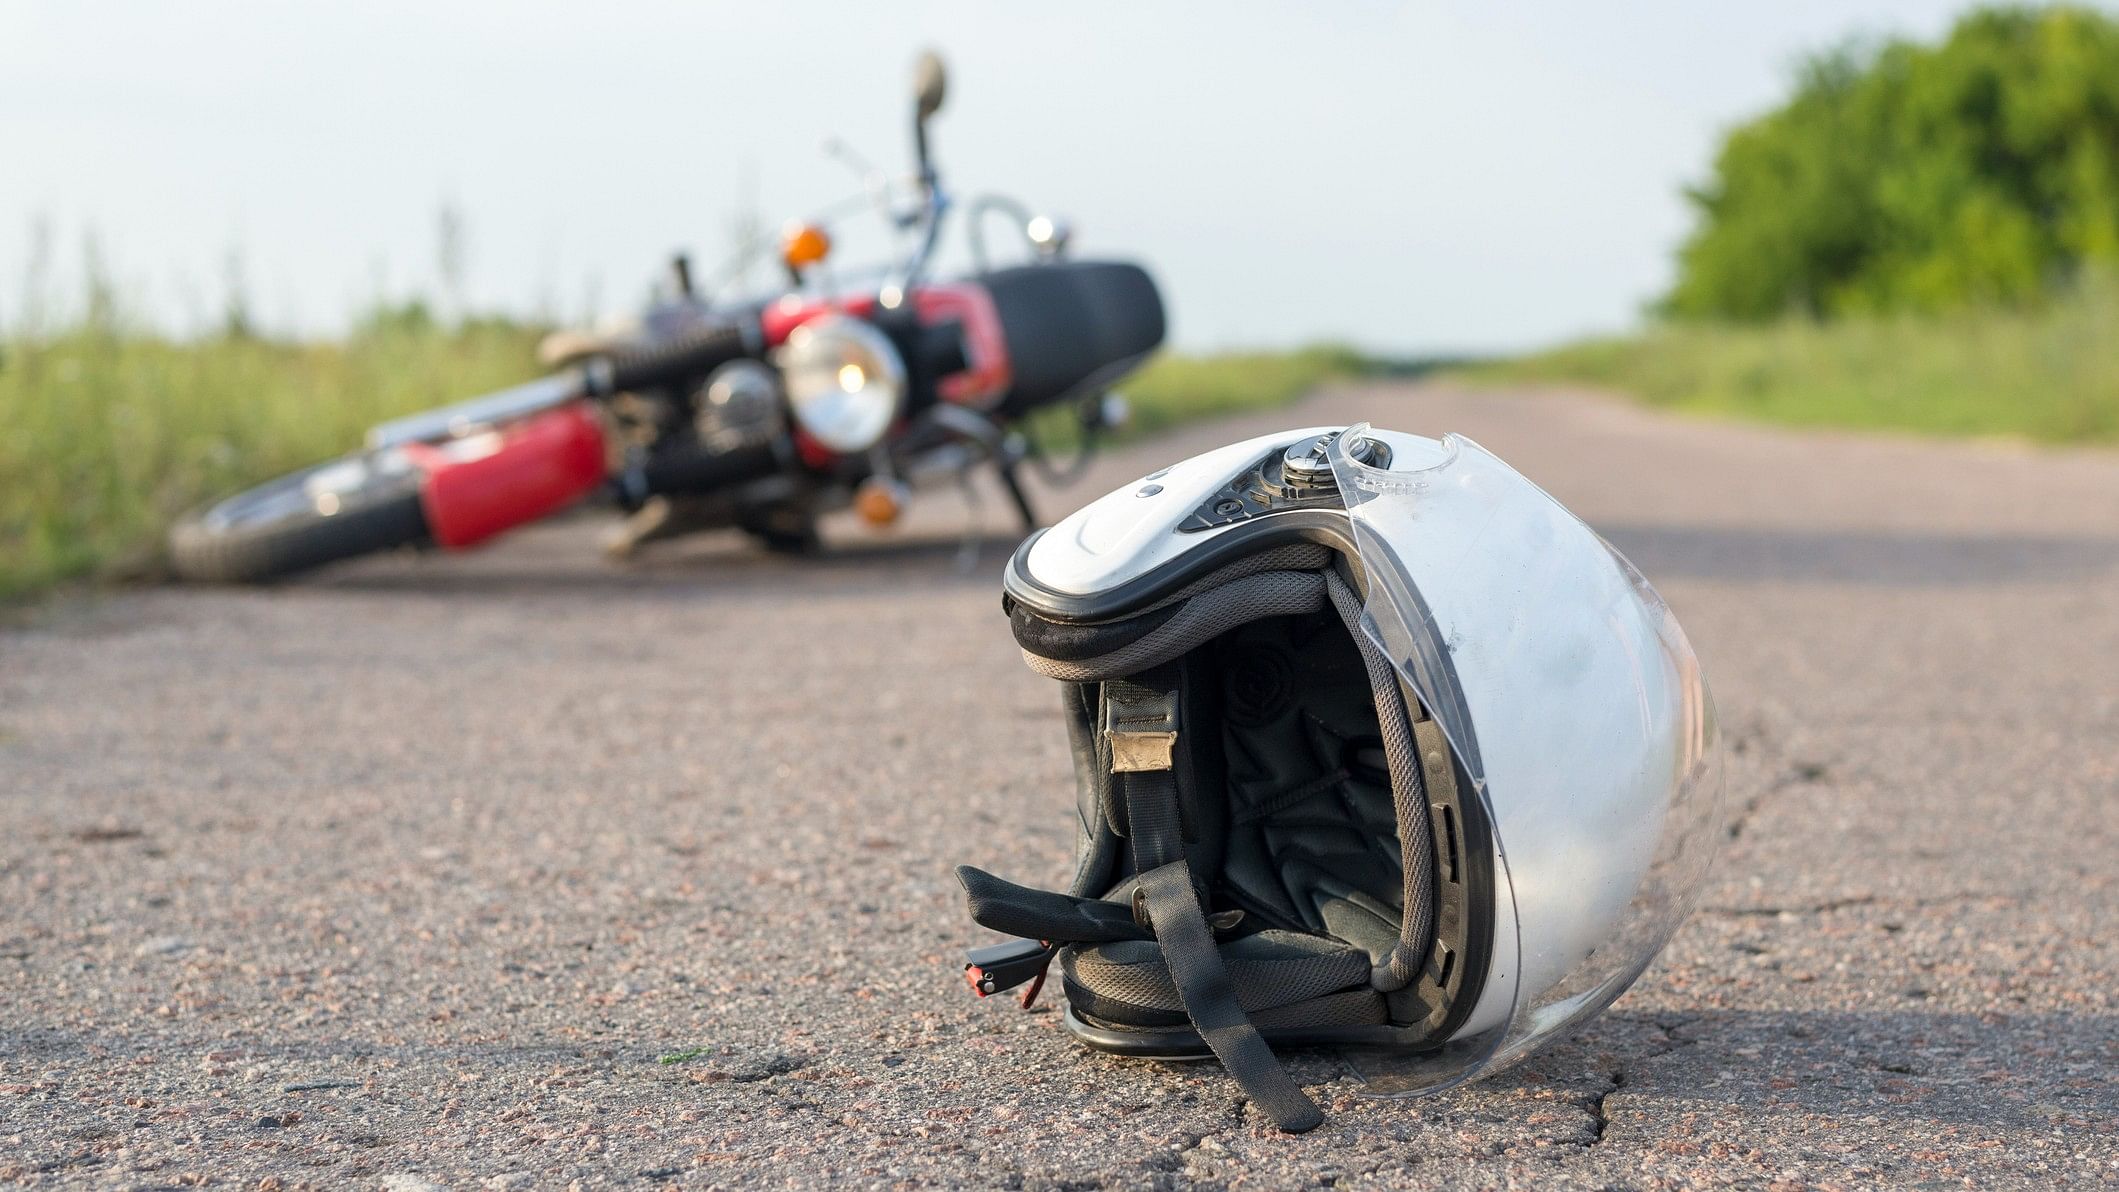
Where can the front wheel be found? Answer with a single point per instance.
(337, 510)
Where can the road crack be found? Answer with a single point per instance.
(1773, 912)
(1599, 1116)
(1621, 1076)
(1801, 773)
(1829, 905)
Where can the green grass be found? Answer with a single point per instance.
(2049, 373)
(1177, 389)
(1173, 390)
(105, 437)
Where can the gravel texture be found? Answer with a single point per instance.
(410, 875)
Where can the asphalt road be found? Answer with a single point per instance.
(409, 874)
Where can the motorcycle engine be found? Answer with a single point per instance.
(739, 406)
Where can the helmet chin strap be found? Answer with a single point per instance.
(1209, 995)
(1140, 722)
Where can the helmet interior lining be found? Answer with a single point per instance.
(1310, 835)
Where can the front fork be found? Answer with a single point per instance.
(998, 445)
(1104, 412)
(1009, 469)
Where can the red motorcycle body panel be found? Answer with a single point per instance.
(479, 486)
(814, 455)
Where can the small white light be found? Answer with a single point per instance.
(851, 378)
(327, 504)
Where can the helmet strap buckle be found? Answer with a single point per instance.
(1141, 726)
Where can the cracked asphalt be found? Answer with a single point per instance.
(410, 875)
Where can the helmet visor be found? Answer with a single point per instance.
(1578, 711)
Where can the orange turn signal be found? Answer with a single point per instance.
(803, 245)
(880, 502)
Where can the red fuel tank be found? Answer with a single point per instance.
(479, 486)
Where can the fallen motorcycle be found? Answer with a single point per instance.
(758, 415)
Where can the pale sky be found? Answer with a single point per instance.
(1409, 177)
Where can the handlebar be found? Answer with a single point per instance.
(936, 206)
(698, 350)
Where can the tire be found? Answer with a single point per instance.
(281, 527)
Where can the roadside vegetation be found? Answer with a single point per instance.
(2048, 372)
(108, 433)
(1175, 389)
(1923, 237)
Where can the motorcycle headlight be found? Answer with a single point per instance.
(844, 381)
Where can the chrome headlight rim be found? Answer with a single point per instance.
(844, 414)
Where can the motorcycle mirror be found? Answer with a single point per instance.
(930, 84)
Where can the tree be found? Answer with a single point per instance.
(1911, 177)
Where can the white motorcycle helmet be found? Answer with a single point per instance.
(1376, 745)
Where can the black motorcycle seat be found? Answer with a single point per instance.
(1071, 325)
